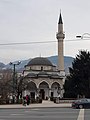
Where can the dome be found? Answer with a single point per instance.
(40, 61)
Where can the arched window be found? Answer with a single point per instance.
(41, 68)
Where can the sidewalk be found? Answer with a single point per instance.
(39, 105)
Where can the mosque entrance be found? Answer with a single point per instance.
(32, 95)
(44, 90)
(42, 93)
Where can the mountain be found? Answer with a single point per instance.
(67, 60)
(19, 67)
(2, 65)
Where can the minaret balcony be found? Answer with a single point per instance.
(60, 35)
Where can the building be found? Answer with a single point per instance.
(41, 77)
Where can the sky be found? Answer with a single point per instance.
(23, 21)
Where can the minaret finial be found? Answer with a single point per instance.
(60, 10)
(40, 54)
(60, 18)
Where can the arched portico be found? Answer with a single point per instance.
(30, 89)
(55, 89)
(44, 90)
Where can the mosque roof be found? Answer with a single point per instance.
(31, 75)
(44, 75)
(40, 61)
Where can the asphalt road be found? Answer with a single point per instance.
(45, 114)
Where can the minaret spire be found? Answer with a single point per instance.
(60, 19)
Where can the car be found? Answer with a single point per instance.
(81, 103)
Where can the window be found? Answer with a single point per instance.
(41, 68)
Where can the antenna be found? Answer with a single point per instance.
(40, 54)
(60, 10)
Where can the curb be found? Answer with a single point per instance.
(35, 107)
(28, 107)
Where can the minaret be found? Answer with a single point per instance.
(60, 37)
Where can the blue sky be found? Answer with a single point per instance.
(37, 21)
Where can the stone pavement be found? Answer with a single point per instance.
(39, 105)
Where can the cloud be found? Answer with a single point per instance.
(36, 20)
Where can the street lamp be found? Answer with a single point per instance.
(14, 76)
(85, 35)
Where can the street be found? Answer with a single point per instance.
(45, 114)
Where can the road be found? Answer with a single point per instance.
(45, 114)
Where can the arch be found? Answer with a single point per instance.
(55, 89)
(30, 89)
(44, 90)
(31, 86)
(43, 82)
(56, 83)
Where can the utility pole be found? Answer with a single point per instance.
(14, 79)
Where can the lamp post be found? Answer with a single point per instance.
(14, 78)
(85, 35)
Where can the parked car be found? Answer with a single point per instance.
(81, 103)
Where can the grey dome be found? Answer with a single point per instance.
(40, 61)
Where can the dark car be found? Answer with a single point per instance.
(81, 103)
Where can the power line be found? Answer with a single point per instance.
(27, 43)
(23, 43)
(75, 40)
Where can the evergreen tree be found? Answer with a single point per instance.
(78, 82)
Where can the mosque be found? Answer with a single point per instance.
(41, 77)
